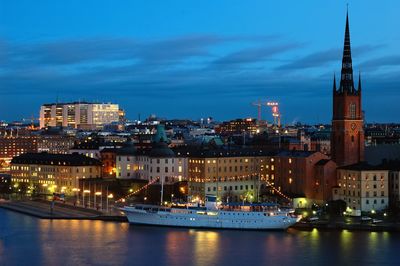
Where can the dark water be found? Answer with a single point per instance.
(29, 241)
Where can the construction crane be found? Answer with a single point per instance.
(259, 105)
(275, 112)
(32, 120)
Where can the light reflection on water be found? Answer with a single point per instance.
(30, 241)
(206, 246)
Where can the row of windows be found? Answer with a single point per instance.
(230, 188)
(375, 201)
(224, 179)
(158, 161)
(374, 178)
(358, 186)
(231, 160)
(366, 201)
(49, 169)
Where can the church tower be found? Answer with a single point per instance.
(347, 138)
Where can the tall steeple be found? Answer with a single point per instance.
(347, 137)
(346, 79)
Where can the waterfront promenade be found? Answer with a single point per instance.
(42, 209)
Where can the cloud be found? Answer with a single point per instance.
(190, 71)
(325, 57)
(255, 54)
(312, 60)
(90, 50)
(67, 52)
(380, 62)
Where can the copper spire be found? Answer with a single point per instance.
(346, 80)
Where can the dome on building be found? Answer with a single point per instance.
(128, 148)
(161, 150)
(160, 134)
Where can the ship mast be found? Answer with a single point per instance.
(162, 190)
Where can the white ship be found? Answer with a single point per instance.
(233, 216)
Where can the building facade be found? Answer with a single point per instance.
(231, 175)
(108, 158)
(238, 126)
(155, 165)
(11, 146)
(363, 187)
(79, 115)
(57, 144)
(47, 173)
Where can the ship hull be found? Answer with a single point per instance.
(211, 219)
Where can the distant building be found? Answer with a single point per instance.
(79, 115)
(11, 146)
(92, 146)
(108, 158)
(48, 173)
(363, 187)
(57, 144)
(238, 126)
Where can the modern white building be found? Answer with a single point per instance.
(364, 188)
(79, 115)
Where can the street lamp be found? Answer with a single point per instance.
(97, 193)
(83, 196)
(110, 196)
(76, 190)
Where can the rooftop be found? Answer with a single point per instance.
(45, 158)
(362, 166)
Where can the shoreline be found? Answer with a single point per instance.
(350, 227)
(61, 212)
(11, 206)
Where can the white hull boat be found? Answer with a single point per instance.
(238, 217)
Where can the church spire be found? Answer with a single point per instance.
(359, 82)
(346, 80)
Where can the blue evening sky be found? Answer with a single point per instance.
(193, 59)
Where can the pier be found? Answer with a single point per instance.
(42, 209)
